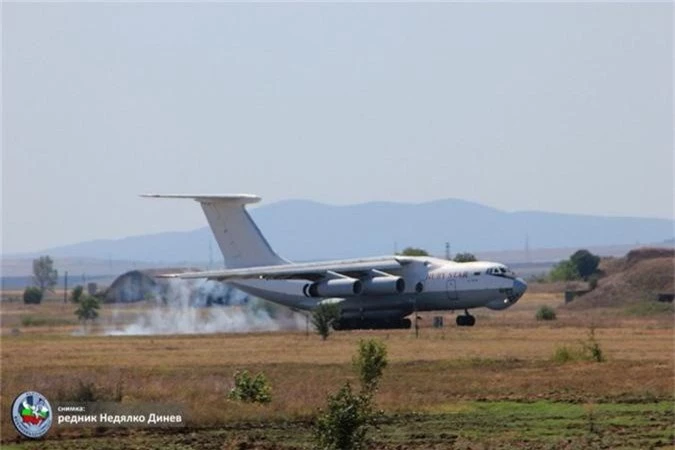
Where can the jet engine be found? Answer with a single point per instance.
(339, 287)
(383, 285)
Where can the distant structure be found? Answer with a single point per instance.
(132, 286)
(139, 285)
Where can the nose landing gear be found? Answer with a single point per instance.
(467, 320)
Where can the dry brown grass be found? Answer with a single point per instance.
(506, 356)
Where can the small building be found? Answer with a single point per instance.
(138, 285)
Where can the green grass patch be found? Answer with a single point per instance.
(470, 424)
(650, 308)
(45, 321)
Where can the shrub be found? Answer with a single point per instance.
(76, 294)
(414, 251)
(464, 257)
(88, 307)
(565, 354)
(251, 389)
(545, 313)
(564, 271)
(592, 347)
(370, 362)
(32, 295)
(344, 425)
(85, 392)
(588, 350)
(593, 281)
(323, 317)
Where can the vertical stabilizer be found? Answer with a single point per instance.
(238, 237)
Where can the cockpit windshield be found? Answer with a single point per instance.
(501, 271)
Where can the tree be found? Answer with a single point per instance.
(464, 257)
(250, 389)
(323, 317)
(76, 294)
(44, 274)
(414, 251)
(565, 270)
(345, 423)
(32, 295)
(343, 426)
(370, 362)
(585, 262)
(88, 307)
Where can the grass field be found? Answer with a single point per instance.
(496, 385)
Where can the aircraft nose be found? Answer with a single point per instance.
(519, 286)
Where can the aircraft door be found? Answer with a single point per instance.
(452, 290)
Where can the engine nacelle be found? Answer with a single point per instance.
(383, 285)
(340, 287)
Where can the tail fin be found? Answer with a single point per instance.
(238, 237)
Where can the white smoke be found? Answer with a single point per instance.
(196, 307)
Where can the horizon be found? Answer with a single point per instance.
(262, 204)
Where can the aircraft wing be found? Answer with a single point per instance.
(305, 271)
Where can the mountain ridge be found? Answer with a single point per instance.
(308, 230)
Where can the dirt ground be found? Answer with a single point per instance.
(496, 385)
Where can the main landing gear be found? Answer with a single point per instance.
(467, 320)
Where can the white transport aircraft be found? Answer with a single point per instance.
(371, 292)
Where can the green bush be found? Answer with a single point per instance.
(250, 389)
(464, 257)
(370, 362)
(32, 295)
(545, 313)
(564, 271)
(85, 392)
(565, 354)
(592, 347)
(414, 251)
(588, 350)
(344, 425)
(88, 307)
(76, 294)
(323, 317)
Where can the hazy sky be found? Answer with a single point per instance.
(557, 107)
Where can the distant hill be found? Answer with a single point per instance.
(636, 278)
(305, 230)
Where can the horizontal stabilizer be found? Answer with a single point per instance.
(227, 198)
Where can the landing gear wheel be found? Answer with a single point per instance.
(466, 321)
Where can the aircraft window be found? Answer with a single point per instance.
(476, 273)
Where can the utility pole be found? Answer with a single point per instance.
(417, 326)
(527, 249)
(65, 289)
